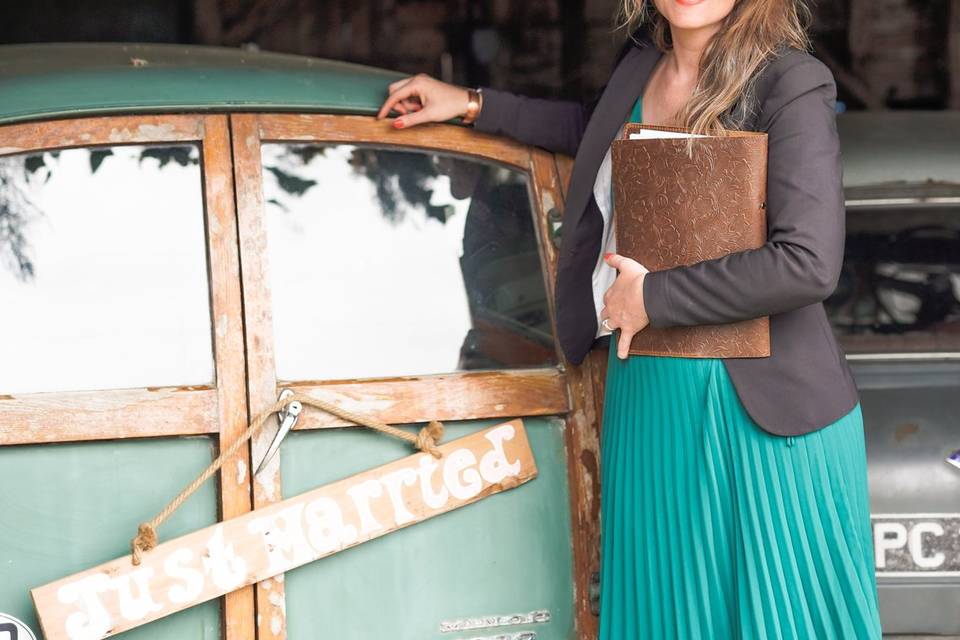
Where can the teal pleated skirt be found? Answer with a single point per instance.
(713, 528)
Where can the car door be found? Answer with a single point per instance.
(121, 357)
(404, 275)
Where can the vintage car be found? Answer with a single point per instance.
(185, 232)
(896, 310)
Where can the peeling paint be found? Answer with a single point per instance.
(547, 201)
(276, 625)
(366, 403)
(147, 131)
(214, 222)
(267, 478)
(266, 584)
(156, 131)
(223, 325)
(241, 472)
(119, 135)
(218, 184)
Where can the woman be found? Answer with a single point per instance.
(734, 499)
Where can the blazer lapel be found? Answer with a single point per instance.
(624, 87)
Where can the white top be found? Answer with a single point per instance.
(603, 274)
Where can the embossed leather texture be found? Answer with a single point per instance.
(673, 209)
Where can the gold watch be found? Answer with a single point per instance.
(474, 104)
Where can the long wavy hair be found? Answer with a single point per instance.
(752, 33)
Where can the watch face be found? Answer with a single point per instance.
(13, 629)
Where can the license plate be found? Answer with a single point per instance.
(917, 544)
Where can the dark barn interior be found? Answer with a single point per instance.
(885, 54)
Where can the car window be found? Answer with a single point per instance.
(103, 270)
(899, 290)
(387, 262)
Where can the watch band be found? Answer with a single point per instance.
(474, 104)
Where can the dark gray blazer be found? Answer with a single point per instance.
(805, 383)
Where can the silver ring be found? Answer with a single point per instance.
(606, 324)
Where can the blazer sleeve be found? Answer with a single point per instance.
(800, 263)
(555, 125)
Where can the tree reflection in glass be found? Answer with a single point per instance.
(103, 276)
(391, 262)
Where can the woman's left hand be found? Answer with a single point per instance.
(623, 302)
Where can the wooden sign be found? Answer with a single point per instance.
(206, 564)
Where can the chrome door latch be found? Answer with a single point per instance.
(287, 418)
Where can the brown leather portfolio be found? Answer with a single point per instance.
(672, 208)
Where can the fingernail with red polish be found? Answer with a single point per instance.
(606, 256)
(398, 124)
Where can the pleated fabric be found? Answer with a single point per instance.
(713, 528)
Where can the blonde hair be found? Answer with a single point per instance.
(750, 35)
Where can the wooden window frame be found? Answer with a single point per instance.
(218, 409)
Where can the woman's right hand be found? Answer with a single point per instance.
(421, 98)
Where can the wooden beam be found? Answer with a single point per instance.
(366, 129)
(227, 310)
(458, 396)
(88, 132)
(258, 319)
(38, 418)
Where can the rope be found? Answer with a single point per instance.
(425, 440)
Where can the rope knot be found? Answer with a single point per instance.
(428, 437)
(145, 540)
